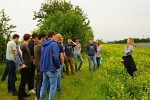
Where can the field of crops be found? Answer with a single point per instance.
(109, 82)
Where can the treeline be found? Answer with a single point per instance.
(136, 40)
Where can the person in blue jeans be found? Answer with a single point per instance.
(50, 66)
(77, 55)
(58, 39)
(11, 63)
(99, 53)
(91, 51)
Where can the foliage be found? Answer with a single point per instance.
(136, 40)
(5, 30)
(62, 17)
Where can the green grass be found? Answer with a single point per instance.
(109, 82)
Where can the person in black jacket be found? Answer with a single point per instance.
(91, 51)
(33, 66)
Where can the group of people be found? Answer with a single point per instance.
(49, 57)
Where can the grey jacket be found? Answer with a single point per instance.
(19, 59)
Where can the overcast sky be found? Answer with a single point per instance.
(110, 19)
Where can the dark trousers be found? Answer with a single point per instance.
(5, 73)
(98, 61)
(11, 75)
(39, 82)
(24, 79)
(69, 61)
(31, 78)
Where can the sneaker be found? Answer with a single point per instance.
(32, 91)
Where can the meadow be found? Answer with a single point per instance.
(109, 82)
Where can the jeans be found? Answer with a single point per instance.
(49, 78)
(11, 75)
(98, 61)
(5, 73)
(90, 59)
(78, 56)
(39, 82)
(59, 79)
(24, 79)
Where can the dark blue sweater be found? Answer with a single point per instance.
(91, 49)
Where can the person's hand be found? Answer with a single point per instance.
(57, 70)
(33, 60)
(23, 66)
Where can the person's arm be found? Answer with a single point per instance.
(62, 58)
(56, 54)
(87, 49)
(61, 55)
(73, 43)
(95, 50)
(128, 49)
(14, 48)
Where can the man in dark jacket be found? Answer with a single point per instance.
(25, 66)
(50, 66)
(37, 56)
(33, 66)
(91, 51)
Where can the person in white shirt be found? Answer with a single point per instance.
(77, 55)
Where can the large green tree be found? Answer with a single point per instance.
(62, 17)
(5, 30)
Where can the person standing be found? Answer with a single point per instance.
(77, 55)
(91, 51)
(58, 39)
(11, 63)
(33, 66)
(37, 57)
(99, 53)
(128, 59)
(24, 64)
(50, 66)
(69, 56)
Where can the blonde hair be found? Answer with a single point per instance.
(131, 40)
(98, 42)
(58, 37)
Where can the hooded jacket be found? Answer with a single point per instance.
(50, 60)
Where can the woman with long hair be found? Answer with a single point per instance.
(128, 59)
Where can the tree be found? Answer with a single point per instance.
(5, 30)
(62, 17)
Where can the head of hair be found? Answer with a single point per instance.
(41, 35)
(34, 35)
(98, 42)
(58, 37)
(26, 37)
(15, 36)
(91, 39)
(77, 40)
(50, 34)
(131, 40)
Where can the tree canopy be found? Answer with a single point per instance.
(5, 30)
(62, 17)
